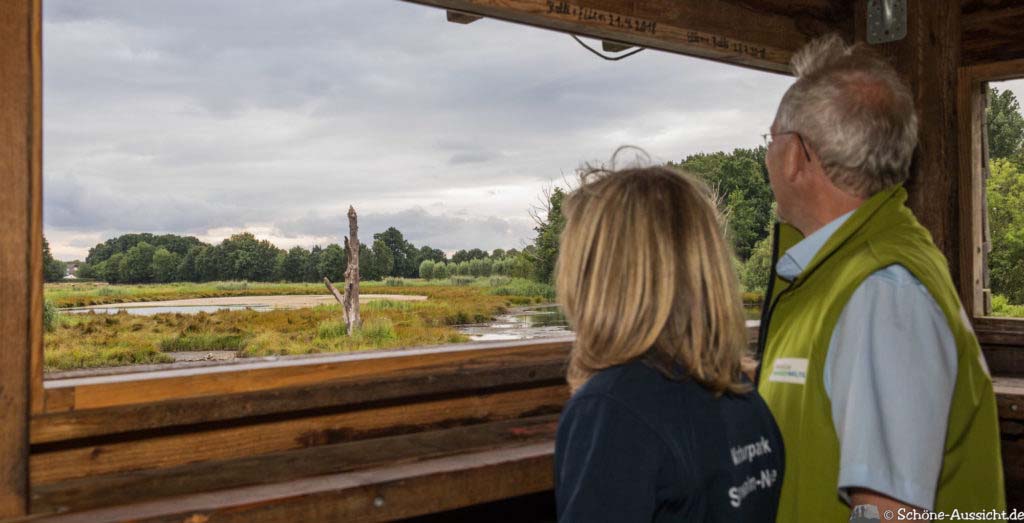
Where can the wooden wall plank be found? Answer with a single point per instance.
(77, 424)
(133, 487)
(35, 241)
(20, 271)
(761, 35)
(149, 387)
(971, 108)
(383, 494)
(992, 31)
(160, 451)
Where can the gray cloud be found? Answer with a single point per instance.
(196, 115)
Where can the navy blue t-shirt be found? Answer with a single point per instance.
(635, 446)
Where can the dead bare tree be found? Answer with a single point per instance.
(351, 299)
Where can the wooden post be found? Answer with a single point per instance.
(351, 301)
(20, 244)
(929, 59)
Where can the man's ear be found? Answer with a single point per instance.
(794, 161)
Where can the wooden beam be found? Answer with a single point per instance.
(992, 31)
(380, 494)
(133, 487)
(157, 386)
(20, 243)
(457, 17)
(971, 100)
(220, 442)
(929, 58)
(762, 35)
(336, 394)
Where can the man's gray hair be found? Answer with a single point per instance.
(853, 110)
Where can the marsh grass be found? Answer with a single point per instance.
(98, 340)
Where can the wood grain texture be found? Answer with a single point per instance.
(351, 393)
(971, 101)
(992, 31)
(757, 34)
(156, 386)
(51, 464)
(380, 494)
(133, 487)
(19, 223)
(929, 59)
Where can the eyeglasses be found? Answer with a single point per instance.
(770, 136)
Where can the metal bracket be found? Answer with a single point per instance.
(887, 21)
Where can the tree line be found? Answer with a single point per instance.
(149, 258)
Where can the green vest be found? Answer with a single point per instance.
(797, 326)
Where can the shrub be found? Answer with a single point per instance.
(427, 269)
(331, 329)
(1001, 306)
(51, 316)
(203, 341)
(394, 282)
(387, 305)
(233, 286)
(521, 287)
(111, 291)
(498, 281)
(377, 331)
(462, 281)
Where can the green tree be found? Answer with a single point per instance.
(467, 255)
(332, 262)
(549, 230)
(110, 269)
(1005, 193)
(440, 271)
(53, 270)
(86, 272)
(403, 253)
(429, 253)
(427, 269)
(295, 263)
(756, 270)
(246, 258)
(311, 272)
(379, 262)
(136, 266)
(187, 266)
(165, 265)
(740, 179)
(207, 266)
(120, 244)
(1005, 125)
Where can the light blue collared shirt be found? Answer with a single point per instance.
(889, 374)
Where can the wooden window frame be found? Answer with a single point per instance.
(36, 414)
(1002, 338)
(780, 35)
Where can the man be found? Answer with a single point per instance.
(869, 363)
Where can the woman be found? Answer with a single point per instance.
(662, 425)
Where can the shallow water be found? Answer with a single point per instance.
(545, 321)
(183, 309)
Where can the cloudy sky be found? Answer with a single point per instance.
(211, 117)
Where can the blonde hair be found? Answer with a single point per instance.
(644, 271)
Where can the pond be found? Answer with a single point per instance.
(545, 321)
(182, 309)
(526, 323)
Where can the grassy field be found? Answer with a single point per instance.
(77, 341)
